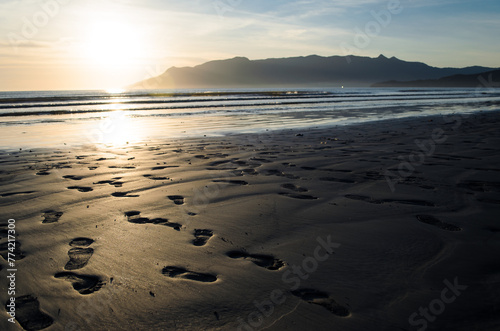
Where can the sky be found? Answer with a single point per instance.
(109, 44)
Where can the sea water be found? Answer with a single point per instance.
(111, 118)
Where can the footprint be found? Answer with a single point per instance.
(113, 182)
(298, 196)
(133, 217)
(177, 199)
(78, 258)
(81, 242)
(262, 260)
(239, 162)
(84, 284)
(179, 272)
(234, 182)
(274, 172)
(163, 167)
(411, 202)
(29, 315)
(294, 188)
(16, 193)
(156, 178)
(12, 248)
(81, 188)
(73, 177)
(51, 216)
(249, 171)
(132, 213)
(202, 236)
(431, 220)
(322, 299)
(124, 195)
(43, 173)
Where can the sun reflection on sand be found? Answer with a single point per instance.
(118, 129)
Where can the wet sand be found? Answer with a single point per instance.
(389, 225)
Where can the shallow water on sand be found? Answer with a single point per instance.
(72, 118)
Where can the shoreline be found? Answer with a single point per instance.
(209, 233)
(316, 129)
(134, 121)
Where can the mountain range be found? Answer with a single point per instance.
(310, 71)
(486, 79)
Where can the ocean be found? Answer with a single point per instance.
(53, 119)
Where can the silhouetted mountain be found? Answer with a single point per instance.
(311, 70)
(485, 79)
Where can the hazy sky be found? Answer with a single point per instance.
(101, 44)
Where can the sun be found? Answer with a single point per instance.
(112, 43)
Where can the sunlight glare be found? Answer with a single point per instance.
(119, 129)
(111, 42)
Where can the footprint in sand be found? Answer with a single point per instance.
(155, 177)
(81, 242)
(133, 216)
(124, 195)
(29, 315)
(81, 188)
(73, 177)
(51, 216)
(15, 193)
(378, 202)
(248, 171)
(84, 284)
(262, 260)
(121, 167)
(80, 254)
(43, 173)
(322, 299)
(298, 196)
(431, 220)
(12, 247)
(293, 187)
(177, 199)
(163, 167)
(202, 236)
(232, 182)
(179, 272)
(113, 181)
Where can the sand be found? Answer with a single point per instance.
(390, 225)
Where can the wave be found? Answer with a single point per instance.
(264, 99)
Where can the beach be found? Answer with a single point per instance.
(387, 225)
